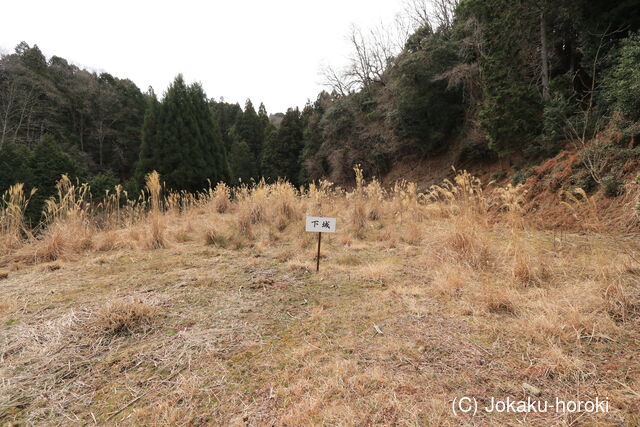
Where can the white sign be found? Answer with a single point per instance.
(317, 224)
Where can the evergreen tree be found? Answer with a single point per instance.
(149, 155)
(241, 163)
(182, 140)
(281, 154)
(15, 166)
(249, 129)
(263, 116)
(510, 109)
(310, 166)
(427, 111)
(225, 116)
(48, 163)
(270, 162)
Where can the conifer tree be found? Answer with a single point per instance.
(47, 165)
(182, 141)
(249, 129)
(270, 162)
(14, 166)
(263, 116)
(148, 150)
(283, 147)
(241, 163)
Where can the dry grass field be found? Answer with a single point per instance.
(206, 309)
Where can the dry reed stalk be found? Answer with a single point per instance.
(13, 230)
(284, 203)
(156, 238)
(221, 197)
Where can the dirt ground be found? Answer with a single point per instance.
(254, 336)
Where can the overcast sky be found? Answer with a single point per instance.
(269, 51)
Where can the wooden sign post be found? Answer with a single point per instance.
(317, 224)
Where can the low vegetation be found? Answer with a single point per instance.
(185, 308)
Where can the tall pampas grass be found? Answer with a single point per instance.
(13, 230)
(156, 238)
(220, 196)
(66, 224)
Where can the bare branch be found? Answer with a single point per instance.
(435, 14)
(337, 81)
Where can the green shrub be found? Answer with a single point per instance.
(498, 176)
(519, 177)
(612, 187)
(621, 87)
(100, 183)
(474, 152)
(426, 110)
(583, 179)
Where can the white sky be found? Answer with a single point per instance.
(269, 51)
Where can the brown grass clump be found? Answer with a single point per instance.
(221, 197)
(109, 240)
(253, 202)
(12, 227)
(468, 244)
(68, 231)
(375, 199)
(412, 234)
(244, 223)
(529, 270)
(213, 237)
(321, 198)
(555, 363)
(498, 299)
(125, 318)
(156, 238)
(404, 202)
(622, 302)
(284, 203)
(4, 274)
(358, 201)
(450, 282)
(62, 242)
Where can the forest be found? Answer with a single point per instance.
(489, 79)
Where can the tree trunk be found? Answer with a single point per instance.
(7, 111)
(81, 132)
(544, 53)
(100, 142)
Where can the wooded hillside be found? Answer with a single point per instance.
(489, 79)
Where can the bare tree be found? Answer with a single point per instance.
(18, 102)
(418, 12)
(435, 14)
(468, 73)
(544, 56)
(373, 52)
(8, 94)
(106, 113)
(444, 12)
(368, 58)
(336, 80)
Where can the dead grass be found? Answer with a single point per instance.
(213, 237)
(221, 198)
(420, 298)
(125, 318)
(155, 238)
